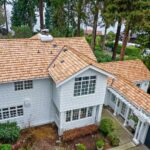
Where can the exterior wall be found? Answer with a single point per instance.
(38, 107)
(68, 101)
(144, 85)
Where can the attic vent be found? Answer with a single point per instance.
(54, 45)
(62, 61)
(65, 49)
(38, 51)
(53, 65)
(51, 52)
(45, 36)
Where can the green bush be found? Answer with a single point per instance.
(100, 143)
(113, 139)
(107, 126)
(5, 147)
(23, 31)
(80, 147)
(9, 132)
(130, 50)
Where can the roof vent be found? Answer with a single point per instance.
(65, 49)
(54, 45)
(45, 36)
(62, 61)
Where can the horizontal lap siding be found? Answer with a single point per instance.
(37, 102)
(68, 101)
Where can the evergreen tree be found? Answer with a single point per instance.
(134, 16)
(23, 13)
(2, 19)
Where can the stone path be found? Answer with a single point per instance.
(124, 146)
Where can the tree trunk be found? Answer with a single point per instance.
(93, 42)
(125, 40)
(116, 40)
(41, 14)
(6, 16)
(80, 3)
(104, 39)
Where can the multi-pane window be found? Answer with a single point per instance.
(68, 116)
(113, 98)
(75, 114)
(83, 113)
(90, 111)
(11, 112)
(20, 85)
(78, 113)
(84, 85)
(28, 84)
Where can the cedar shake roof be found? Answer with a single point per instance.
(131, 92)
(69, 62)
(133, 70)
(23, 59)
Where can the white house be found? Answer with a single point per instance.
(60, 81)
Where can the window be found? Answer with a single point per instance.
(75, 114)
(84, 85)
(19, 85)
(23, 85)
(68, 116)
(113, 98)
(11, 112)
(90, 111)
(28, 84)
(83, 113)
(138, 85)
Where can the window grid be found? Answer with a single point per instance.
(28, 84)
(68, 116)
(84, 85)
(11, 112)
(21, 85)
(83, 113)
(90, 111)
(75, 114)
(79, 113)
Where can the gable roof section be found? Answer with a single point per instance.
(133, 70)
(131, 92)
(68, 62)
(23, 59)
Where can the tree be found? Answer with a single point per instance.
(2, 19)
(22, 31)
(107, 18)
(134, 16)
(41, 14)
(23, 13)
(95, 6)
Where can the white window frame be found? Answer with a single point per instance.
(23, 85)
(91, 108)
(8, 113)
(85, 85)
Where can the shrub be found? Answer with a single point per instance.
(9, 132)
(100, 143)
(79, 132)
(107, 126)
(80, 147)
(5, 147)
(113, 139)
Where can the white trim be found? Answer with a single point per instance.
(84, 69)
(137, 111)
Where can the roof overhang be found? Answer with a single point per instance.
(84, 69)
(136, 110)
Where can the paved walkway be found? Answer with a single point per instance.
(124, 146)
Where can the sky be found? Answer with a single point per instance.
(37, 26)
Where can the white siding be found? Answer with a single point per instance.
(38, 107)
(68, 101)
